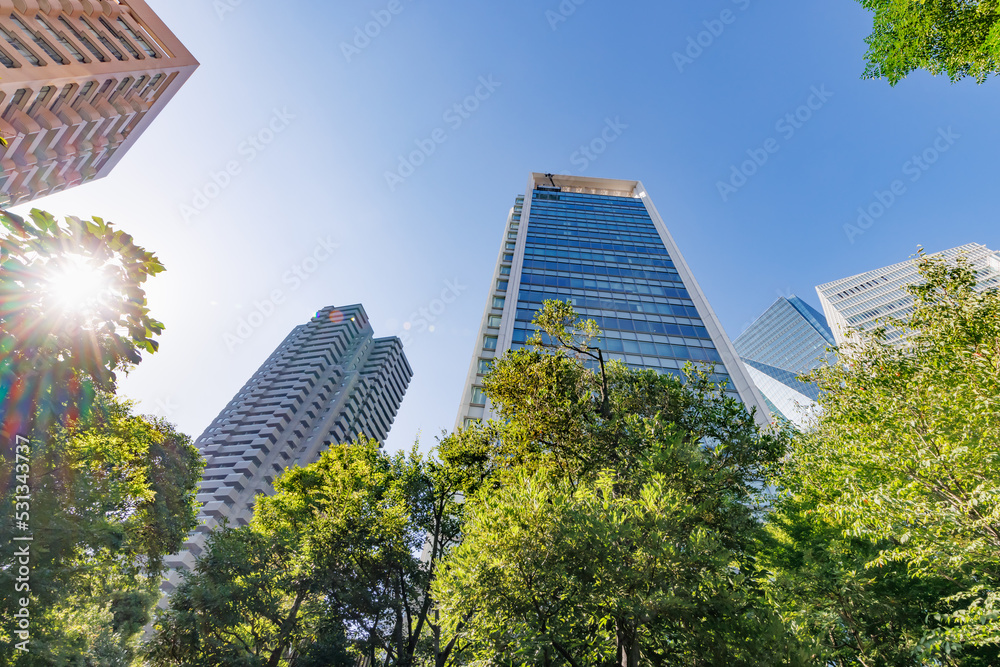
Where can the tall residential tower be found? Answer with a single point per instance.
(601, 245)
(330, 381)
(80, 80)
(862, 302)
(789, 340)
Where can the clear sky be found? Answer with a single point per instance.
(683, 114)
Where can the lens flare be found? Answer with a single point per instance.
(76, 284)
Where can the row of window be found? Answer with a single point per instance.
(593, 299)
(611, 236)
(613, 270)
(543, 251)
(597, 202)
(84, 32)
(534, 241)
(637, 225)
(538, 280)
(88, 93)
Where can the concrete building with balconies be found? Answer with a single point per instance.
(329, 382)
(80, 80)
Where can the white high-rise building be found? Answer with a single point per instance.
(327, 383)
(864, 301)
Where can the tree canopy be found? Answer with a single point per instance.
(957, 38)
(73, 312)
(109, 499)
(331, 562)
(905, 455)
(614, 516)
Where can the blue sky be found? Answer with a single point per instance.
(687, 113)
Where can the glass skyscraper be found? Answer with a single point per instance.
(789, 340)
(601, 245)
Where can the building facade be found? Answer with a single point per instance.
(601, 245)
(864, 301)
(787, 341)
(80, 80)
(328, 382)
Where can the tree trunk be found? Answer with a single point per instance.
(628, 646)
(286, 631)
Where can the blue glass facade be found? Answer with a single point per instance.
(600, 245)
(605, 255)
(789, 340)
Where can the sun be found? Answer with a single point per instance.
(75, 284)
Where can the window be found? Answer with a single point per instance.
(494, 321)
(502, 285)
(85, 91)
(45, 46)
(512, 235)
(511, 246)
(83, 40)
(64, 94)
(40, 100)
(490, 342)
(498, 301)
(504, 270)
(485, 366)
(145, 45)
(469, 422)
(508, 258)
(125, 42)
(478, 396)
(152, 84)
(102, 39)
(20, 48)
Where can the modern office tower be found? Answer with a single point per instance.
(862, 302)
(788, 341)
(328, 382)
(81, 80)
(601, 245)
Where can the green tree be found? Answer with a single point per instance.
(959, 38)
(334, 554)
(105, 494)
(109, 499)
(617, 524)
(841, 609)
(72, 314)
(905, 453)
